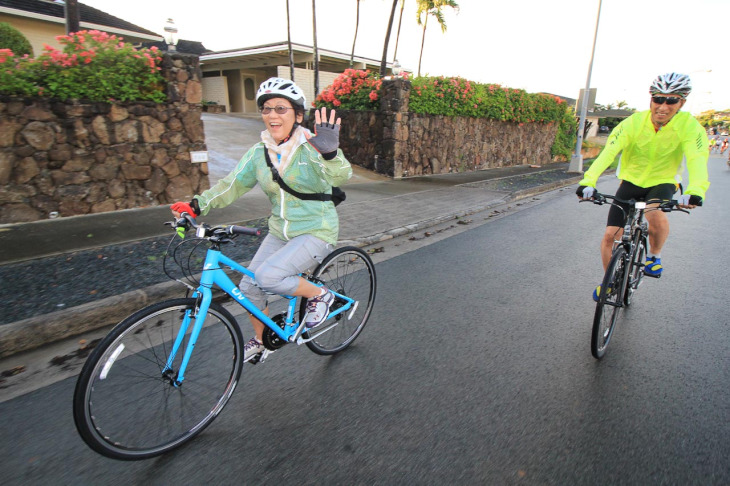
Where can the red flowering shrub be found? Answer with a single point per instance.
(92, 66)
(455, 96)
(352, 90)
(459, 97)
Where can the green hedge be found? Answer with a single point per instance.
(454, 96)
(92, 66)
(11, 38)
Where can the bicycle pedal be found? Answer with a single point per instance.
(652, 276)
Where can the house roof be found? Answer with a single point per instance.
(612, 113)
(182, 46)
(90, 18)
(278, 53)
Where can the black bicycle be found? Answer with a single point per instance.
(625, 270)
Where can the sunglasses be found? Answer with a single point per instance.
(281, 110)
(670, 100)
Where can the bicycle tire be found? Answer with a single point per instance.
(351, 272)
(126, 408)
(609, 303)
(636, 271)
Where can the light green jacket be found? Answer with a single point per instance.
(290, 216)
(650, 158)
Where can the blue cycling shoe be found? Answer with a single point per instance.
(653, 267)
(597, 292)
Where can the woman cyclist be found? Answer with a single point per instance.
(301, 232)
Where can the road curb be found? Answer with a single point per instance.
(40, 330)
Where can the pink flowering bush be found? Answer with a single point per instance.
(92, 65)
(352, 90)
(455, 96)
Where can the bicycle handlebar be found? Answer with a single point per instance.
(202, 230)
(664, 205)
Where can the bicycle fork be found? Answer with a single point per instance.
(197, 316)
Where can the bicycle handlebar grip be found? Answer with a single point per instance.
(243, 230)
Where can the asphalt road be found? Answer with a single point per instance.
(475, 368)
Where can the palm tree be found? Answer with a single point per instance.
(288, 41)
(434, 8)
(397, 35)
(384, 61)
(316, 52)
(357, 25)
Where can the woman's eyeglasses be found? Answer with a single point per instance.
(670, 100)
(280, 110)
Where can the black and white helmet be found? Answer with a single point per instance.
(281, 88)
(671, 83)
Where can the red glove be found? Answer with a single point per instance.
(183, 207)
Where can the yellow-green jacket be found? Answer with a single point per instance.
(650, 158)
(290, 216)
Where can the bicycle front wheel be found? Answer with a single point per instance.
(609, 303)
(348, 271)
(127, 404)
(636, 272)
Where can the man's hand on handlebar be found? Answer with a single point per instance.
(688, 201)
(585, 192)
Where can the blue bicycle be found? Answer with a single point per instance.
(163, 374)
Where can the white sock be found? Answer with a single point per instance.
(653, 255)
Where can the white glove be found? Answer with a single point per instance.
(588, 192)
(684, 200)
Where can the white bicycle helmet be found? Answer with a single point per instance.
(281, 88)
(671, 83)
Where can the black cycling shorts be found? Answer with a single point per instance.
(628, 191)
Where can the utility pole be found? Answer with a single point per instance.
(576, 161)
(72, 16)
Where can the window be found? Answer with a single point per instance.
(249, 89)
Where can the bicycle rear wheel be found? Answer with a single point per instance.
(609, 303)
(126, 404)
(348, 271)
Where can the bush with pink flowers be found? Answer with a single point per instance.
(92, 65)
(352, 90)
(455, 96)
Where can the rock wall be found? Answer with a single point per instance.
(70, 158)
(397, 143)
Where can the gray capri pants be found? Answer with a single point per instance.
(277, 263)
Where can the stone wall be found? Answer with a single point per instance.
(70, 158)
(397, 143)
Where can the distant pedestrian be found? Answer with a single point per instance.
(716, 145)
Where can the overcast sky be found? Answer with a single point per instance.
(536, 45)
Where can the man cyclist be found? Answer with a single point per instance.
(653, 144)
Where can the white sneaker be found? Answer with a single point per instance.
(318, 308)
(251, 349)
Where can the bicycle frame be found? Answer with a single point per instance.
(635, 229)
(212, 275)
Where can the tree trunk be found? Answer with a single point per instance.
(383, 61)
(316, 52)
(423, 41)
(357, 25)
(72, 16)
(288, 41)
(397, 35)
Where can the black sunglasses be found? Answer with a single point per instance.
(670, 100)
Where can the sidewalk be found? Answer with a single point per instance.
(375, 210)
